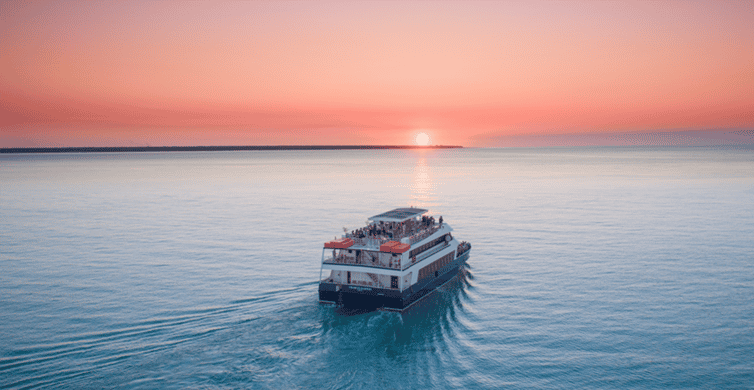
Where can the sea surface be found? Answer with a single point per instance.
(591, 268)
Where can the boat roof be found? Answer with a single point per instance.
(398, 215)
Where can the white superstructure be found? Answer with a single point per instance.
(398, 252)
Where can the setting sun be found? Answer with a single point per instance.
(422, 139)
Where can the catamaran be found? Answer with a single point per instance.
(396, 259)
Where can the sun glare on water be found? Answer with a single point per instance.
(422, 139)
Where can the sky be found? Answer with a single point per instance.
(479, 74)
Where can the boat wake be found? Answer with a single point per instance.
(260, 339)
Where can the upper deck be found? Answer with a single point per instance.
(408, 226)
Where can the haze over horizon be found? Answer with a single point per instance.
(320, 73)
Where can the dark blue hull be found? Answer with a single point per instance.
(358, 297)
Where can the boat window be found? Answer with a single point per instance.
(435, 266)
(428, 245)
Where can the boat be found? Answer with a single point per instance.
(399, 257)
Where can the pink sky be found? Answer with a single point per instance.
(469, 73)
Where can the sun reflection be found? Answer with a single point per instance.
(422, 188)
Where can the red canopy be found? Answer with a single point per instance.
(341, 243)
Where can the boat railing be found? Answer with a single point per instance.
(366, 283)
(463, 247)
(375, 242)
(422, 234)
(373, 281)
(340, 259)
(369, 242)
(352, 260)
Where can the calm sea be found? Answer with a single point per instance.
(591, 268)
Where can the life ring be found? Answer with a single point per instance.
(447, 238)
(413, 259)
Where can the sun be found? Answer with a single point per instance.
(422, 139)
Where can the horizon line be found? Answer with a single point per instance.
(106, 149)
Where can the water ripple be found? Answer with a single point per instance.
(591, 268)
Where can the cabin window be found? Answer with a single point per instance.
(428, 245)
(348, 276)
(436, 266)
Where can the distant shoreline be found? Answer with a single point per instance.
(106, 149)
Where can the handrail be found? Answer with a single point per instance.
(413, 238)
(345, 260)
(424, 234)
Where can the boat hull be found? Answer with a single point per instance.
(359, 297)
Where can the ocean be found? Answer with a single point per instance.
(591, 268)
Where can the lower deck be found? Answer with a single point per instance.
(391, 299)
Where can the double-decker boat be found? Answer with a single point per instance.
(396, 259)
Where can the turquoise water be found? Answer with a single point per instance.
(591, 268)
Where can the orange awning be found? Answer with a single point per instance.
(341, 243)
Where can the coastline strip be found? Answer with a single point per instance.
(110, 149)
